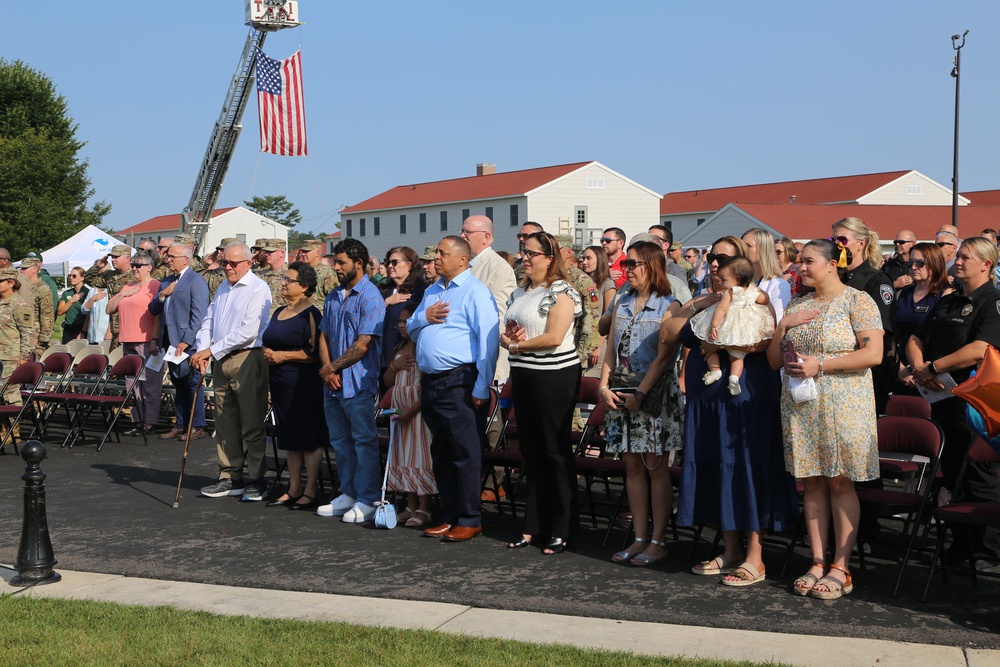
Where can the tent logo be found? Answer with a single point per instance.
(102, 245)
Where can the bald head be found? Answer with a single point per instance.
(477, 230)
(951, 229)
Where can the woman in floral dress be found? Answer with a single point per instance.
(831, 440)
(644, 438)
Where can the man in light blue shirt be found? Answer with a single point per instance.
(457, 331)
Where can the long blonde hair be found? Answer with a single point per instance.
(857, 226)
(766, 257)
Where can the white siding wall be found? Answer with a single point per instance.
(932, 193)
(389, 233)
(243, 224)
(619, 204)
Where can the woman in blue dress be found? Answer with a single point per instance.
(930, 282)
(733, 462)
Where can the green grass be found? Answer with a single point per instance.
(35, 631)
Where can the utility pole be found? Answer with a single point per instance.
(956, 72)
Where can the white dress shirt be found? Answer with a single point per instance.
(237, 317)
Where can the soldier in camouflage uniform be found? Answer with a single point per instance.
(196, 263)
(39, 296)
(585, 332)
(259, 256)
(214, 277)
(112, 280)
(273, 251)
(311, 252)
(162, 270)
(17, 331)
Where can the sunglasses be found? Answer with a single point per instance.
(942, 244)
(534, 253)
(607, 239)
(842, 240)
(632, 264)
(902, 242)
(395, 262)
(232, 263)
(136, 266)
(713, 257)
(916, 264)
(174, 256)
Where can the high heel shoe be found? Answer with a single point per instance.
(555, 546)
(290, 500)
(519, 543)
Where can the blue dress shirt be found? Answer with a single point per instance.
(469, 335)
(359, 313)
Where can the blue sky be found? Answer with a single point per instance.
(675, 95)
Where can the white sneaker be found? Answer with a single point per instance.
(360, 513)
(337, 507)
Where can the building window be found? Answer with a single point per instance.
(513, 215)
(361, 227)
(348, 232)
(402, 225)
(465, 214)
(376, 226)
(669, 224)
(489, 213)
(700, 221)
(581, 217)
(423, 223)
(595, 184)
(444, 221)
(914, 189)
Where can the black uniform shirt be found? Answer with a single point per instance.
(869, 279)
(958, 320)
(894, 267)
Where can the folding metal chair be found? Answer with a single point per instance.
(86, 377)
(107, 401)
(28, 374)
(52, 349)
(74, 346)
(86, 352)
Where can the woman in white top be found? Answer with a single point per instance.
(767, 271)
(545, 370)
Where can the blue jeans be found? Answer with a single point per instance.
(351, 422)
(185, 379)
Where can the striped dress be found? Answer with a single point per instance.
(410, 466)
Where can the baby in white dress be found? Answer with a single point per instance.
(739, 321)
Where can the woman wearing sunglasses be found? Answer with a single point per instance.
(914, 302)
(70, 301)
(405, 284)
(642, 432)
(137, 328)
(733, 472)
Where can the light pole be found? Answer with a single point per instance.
(956, 72)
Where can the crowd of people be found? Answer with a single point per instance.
(754, 363)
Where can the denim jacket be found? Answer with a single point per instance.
(645, 331)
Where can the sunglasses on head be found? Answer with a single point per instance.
(716, 257)
(916, 264)
(632, 264)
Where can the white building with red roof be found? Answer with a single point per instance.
(582, 198)
(234, 222)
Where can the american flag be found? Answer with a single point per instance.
(281, 105)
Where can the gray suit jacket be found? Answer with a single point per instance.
(493, 271)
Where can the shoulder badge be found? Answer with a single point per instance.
(966, 309)
(592, 291)
(26, 317)
(885, 291)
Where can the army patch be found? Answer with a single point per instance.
(885, 291)
(26, 318)
(966, 309)
(592, 291)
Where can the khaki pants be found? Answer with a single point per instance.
(240, 381)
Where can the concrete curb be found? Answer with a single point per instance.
(634, 637)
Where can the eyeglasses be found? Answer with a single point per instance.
(902, 242)
(286, 279)
(632, 264)
(779, 251)
(916, 264)
(942, 244)
(232, 262)
(534, 253)
(607, 239)
(4, 259)
(842, 240)
(395, 262)
(713, 257)
(136, 266)
(476, 231)
(174, 256)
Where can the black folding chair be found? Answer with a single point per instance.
(29, 374)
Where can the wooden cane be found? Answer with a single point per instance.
(187, 440)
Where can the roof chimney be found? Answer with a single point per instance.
(486, 168)
(793, 199)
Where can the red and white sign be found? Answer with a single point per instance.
(272, 12)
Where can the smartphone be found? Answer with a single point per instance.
(788, 354)
(623, 390)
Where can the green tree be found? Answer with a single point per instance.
(44, 186)
(277, 208)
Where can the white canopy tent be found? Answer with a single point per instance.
(81, 249)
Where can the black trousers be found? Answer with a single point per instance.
(457, 436)
(981, 481)
(543, 403)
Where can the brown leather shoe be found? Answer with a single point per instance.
(490, 496)
(462, 533)
(195, 434)
(437, 531)
(171, 434)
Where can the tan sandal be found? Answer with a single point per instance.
(835, 588)
(718, 565)
(741, 580)
(804, 584)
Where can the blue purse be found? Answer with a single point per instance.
(385, 511)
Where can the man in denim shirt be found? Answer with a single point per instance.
(350, 350)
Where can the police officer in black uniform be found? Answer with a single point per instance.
(953, 339)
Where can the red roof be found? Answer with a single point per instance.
(983, 198)
(814, 191)
(165, 223)
(490, 186)
(805, 221)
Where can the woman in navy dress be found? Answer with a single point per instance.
(733, 463)
(296, 389)
(913, 303)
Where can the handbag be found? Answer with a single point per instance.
(385, 511)
(623, 377)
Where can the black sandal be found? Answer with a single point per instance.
(519, 543)
(311, 505)
(556, 545)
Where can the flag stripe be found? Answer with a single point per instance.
(281, 105)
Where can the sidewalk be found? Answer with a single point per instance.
(631, 636)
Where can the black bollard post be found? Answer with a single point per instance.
(35, 559)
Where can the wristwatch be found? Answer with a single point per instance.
(933, 368)
(639, 395)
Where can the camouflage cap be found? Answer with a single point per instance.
(226, 241)
(311, 244)
(273, 244)
(29, 262)
(258, 244)
(120, 249)
(8, 274)
(429, 252)
(34, 254)
(185, 239)
(565, 241)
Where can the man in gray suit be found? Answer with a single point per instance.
(492, 270)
